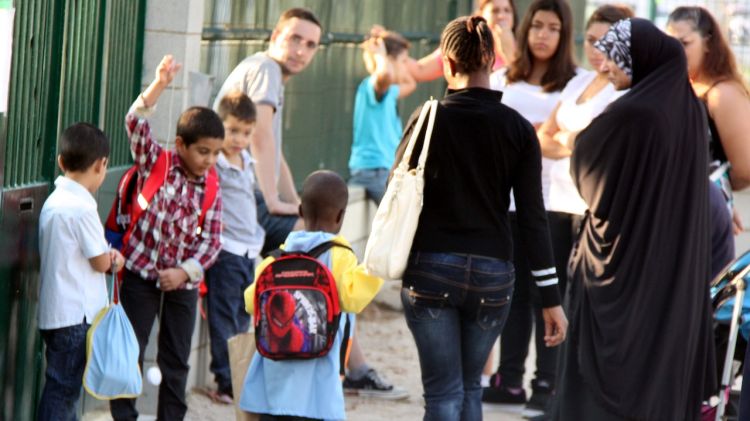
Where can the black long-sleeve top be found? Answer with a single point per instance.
(480, 149)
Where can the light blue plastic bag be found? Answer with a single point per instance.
(112, 370)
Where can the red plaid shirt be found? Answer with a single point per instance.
(166, 234)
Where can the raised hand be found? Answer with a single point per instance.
(167, 69)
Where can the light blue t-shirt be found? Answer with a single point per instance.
(377, 127)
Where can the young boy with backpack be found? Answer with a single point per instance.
(241, 239)
(297, 300)
(173, 241)
(74, 256)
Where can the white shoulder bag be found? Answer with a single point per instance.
(395, 223)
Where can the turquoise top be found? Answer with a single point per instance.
(377, 127)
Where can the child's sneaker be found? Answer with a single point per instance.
(497, 392)
(371, 385)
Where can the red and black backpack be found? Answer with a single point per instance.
(297, 309)
(130, 203)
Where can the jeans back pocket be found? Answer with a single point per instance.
(423, 304)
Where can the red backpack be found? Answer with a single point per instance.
(129, 203)
(297, 309)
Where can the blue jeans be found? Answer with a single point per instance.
(373, 180)
(227, 281)
(66, 360)
(455, 306)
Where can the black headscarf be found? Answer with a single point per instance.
(642, 322)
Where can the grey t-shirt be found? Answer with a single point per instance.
(260, 77)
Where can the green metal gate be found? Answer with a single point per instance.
(318, 103)
(73, 60)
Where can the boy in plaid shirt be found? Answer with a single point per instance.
(168, 252)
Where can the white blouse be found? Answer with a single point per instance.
(534, 105)
(574, 117)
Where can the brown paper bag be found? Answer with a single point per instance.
(241, 350)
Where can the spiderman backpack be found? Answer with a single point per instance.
(297, 306)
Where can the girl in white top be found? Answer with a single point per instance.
(542, 67)
(584, 98)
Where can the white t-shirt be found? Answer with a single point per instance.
(70, 233)
(574, 117)
(534, 105)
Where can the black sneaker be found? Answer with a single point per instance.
(541, 395)
(497, 392)
(371, 385)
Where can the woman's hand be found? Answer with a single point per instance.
(555, 326)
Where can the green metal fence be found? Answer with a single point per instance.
(73, 60)
(318, 102)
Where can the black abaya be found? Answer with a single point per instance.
(640, 340)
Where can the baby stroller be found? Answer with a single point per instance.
(731, 316)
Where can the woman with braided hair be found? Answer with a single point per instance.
(459, 280)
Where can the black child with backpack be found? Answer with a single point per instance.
(300, 300)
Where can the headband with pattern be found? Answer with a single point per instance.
(615, 44)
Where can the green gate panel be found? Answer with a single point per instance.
(82, 58)
(121, 73)
(73, 60)
(32, 105)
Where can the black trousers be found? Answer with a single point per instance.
(526, 306)
(141, 300)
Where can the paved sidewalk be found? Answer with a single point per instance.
(389, 348)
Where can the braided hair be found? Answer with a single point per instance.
(468, 42)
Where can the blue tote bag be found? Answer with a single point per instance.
(112, 370)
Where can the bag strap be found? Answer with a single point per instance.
(212, 189)
(155, 180)
(428, 135)
(426, 108)
(324, 247)
(345, 346)
(314, 252)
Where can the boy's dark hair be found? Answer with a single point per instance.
(562, 67)
(81, 145)
(199, 122)
(302, 13)
(468, 41)
(395, 43)
(238, 105)
(610, 14)
(324, 195)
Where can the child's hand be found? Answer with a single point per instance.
(167, 69)
(117, 260)
(376, 30)
(171, 279)
(375, 46)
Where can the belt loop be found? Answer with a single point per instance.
(416, 257)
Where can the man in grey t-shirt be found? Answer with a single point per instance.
(262, 76)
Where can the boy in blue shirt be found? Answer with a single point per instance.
(241, 238)
(74, 257)
(377, 125)
(311, 389)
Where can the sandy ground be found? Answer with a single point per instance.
(390, 349)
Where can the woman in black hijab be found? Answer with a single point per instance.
(640, 340)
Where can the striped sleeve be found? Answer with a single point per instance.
(532, 221)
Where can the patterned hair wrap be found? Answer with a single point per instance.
(616, 45)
